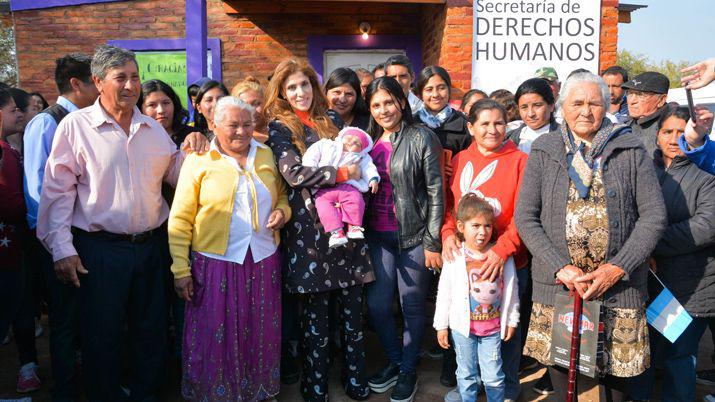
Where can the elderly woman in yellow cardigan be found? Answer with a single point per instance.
(229, 205)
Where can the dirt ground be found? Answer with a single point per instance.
(429, 370)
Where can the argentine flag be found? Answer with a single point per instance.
(667, 315)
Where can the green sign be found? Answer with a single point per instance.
(168, 66)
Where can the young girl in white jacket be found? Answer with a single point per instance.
(480, 313)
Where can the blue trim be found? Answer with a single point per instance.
(20, 5)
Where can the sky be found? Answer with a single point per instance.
(670, 30)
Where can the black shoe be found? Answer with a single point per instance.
(405, 389)
(356, 397)
(705, 377)
(352, 392)
(543, 386)
(527, 363)
(384, 379)
(290, 373)
(448, 378)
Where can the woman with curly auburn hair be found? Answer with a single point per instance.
(299, 117)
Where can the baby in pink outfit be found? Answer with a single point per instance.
(343, 203)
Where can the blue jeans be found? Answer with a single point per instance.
(511, 350)
(404, 270)
(679, 360)
(479, 354)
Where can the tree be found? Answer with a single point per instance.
(8, 61)
(636, 63)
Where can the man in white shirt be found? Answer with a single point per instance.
(399, 67)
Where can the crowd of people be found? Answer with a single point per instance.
(297, 212)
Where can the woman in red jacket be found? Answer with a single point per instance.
(492, 169)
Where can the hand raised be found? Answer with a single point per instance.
(699, 74)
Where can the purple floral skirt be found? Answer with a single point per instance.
(232, 330)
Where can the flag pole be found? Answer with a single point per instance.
(575, 346)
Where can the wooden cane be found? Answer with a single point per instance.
(575, 346)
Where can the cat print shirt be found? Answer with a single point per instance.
(484, 299)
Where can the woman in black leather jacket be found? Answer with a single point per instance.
(404, 219)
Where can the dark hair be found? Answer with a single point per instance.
(5, 97)
(538, 86)
(468, 95)
(429, 72)
(200, 120)
(361, 73)
(613, 70)
(400, 60)
(341, 76)
(506, 100)
(380, 66)
(22, 98)
(45, 105)
(193, 91)
(472, 205)
(485, 104)
(392, 87)
(674, 110)
(151, 86)
(73, 65)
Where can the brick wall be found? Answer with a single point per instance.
(255, 43)
(447, 41)
(44, 35)
(609, 33)
(259, 34)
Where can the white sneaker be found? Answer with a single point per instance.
(453, 396)
(27, 379)
(355, 232)
(38, 328)
(709, 398)
(337, 239)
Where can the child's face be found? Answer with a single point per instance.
(477, 231)
(352, 143)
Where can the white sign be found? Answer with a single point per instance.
(512, 39)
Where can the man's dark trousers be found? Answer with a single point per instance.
(125, 284)
(64, 325)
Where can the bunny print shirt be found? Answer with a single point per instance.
(484, 299)
(496, 178)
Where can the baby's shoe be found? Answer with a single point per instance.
(355, 232)
(337, 238)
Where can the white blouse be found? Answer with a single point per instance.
(241, 234)
(528, 136)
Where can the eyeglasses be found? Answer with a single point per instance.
(640, 94)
